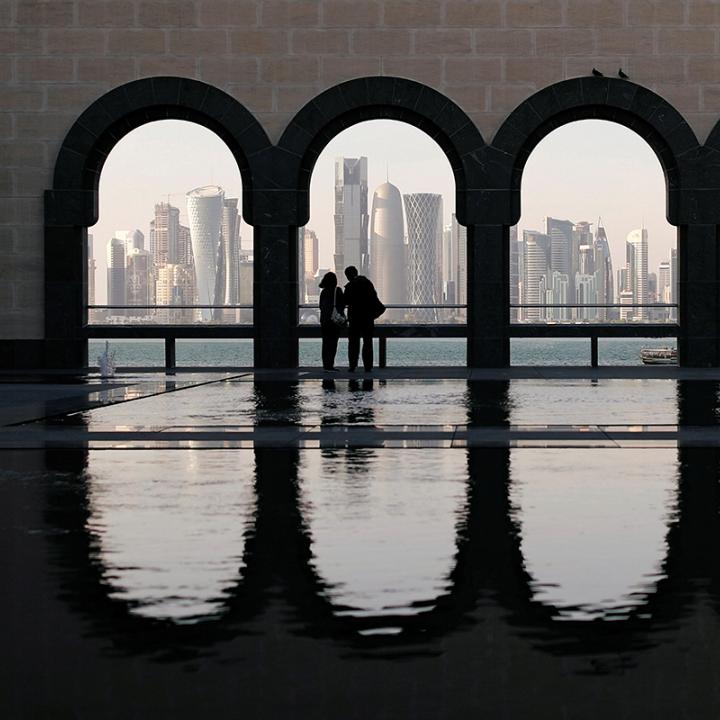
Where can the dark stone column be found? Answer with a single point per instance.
(275, 297)
(488, 295)
(65, 294)
(699, 291)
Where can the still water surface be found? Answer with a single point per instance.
(382, 534)
(420, 352)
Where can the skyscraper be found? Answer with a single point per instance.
(459, 240)
(604, 285)
(132, 239)
(91, 269)
(140, 280)
(636, 247)
(351, 214)
(675, 294)
(164, 228)
(184, 246)
(230, 232)
(560, 234)
(308, 261)
(535, 261)
(387, 249)
(175, 286)
(205, 212)
(423, 212)
(514, 273)
(116, 274)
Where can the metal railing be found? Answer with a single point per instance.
(384, 331)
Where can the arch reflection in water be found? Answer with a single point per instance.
(593, 525)
(383, 527)
(169, 531)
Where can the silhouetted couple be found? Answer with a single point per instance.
(363, 307)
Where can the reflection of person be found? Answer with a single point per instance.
(361, 300)
(331, 298)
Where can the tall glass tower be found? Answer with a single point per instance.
(231, 251)
(636, 248)
(536, 251)
(387, 248)
(351, 214)
(116, 274)
(205, 212)
(423, 212)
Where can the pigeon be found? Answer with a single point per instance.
(597, 73)
(622, 75)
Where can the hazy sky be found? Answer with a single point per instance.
(578, 172)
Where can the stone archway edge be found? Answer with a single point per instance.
(276, 178)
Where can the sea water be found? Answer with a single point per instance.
(419, 352)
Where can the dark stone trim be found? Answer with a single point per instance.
(375, 98)
(125, 108)
(620, 101)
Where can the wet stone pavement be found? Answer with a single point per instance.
(421, 545)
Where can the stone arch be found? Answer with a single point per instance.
(375, 98)
(71, 206)
(127, 107)
(621, 101)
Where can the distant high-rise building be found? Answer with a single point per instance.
(515, 270)
(230, 238)
(586, 260)
(184, 246)
(604, 285)
(164, 228)
(205, 212)
(245, 280)
(626, 298)
(636, 247)
(175, 285)
(423, 212)
(459, 241)
(351, 214)
(674, 295)
(560, 234)
(116, 274)
(558, 293)
(585, 294)
(91, 270)
(388, 269)
(535, 261)
(308, 262)
(664, 288)
(133, 239)
(139, 280)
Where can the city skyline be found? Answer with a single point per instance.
(428, 155)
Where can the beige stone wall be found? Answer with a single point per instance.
(57, 56)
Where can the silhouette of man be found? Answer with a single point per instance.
(360, 299)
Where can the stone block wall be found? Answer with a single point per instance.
(57, 56)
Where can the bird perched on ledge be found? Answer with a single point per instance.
(597, 73)
(622, 75)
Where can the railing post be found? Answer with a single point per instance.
(593, 351)
(382, 346)
(170, 355)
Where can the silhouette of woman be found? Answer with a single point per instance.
(332, 305)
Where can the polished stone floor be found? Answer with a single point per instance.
(425, 543)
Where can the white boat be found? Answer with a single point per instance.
(659, 356)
